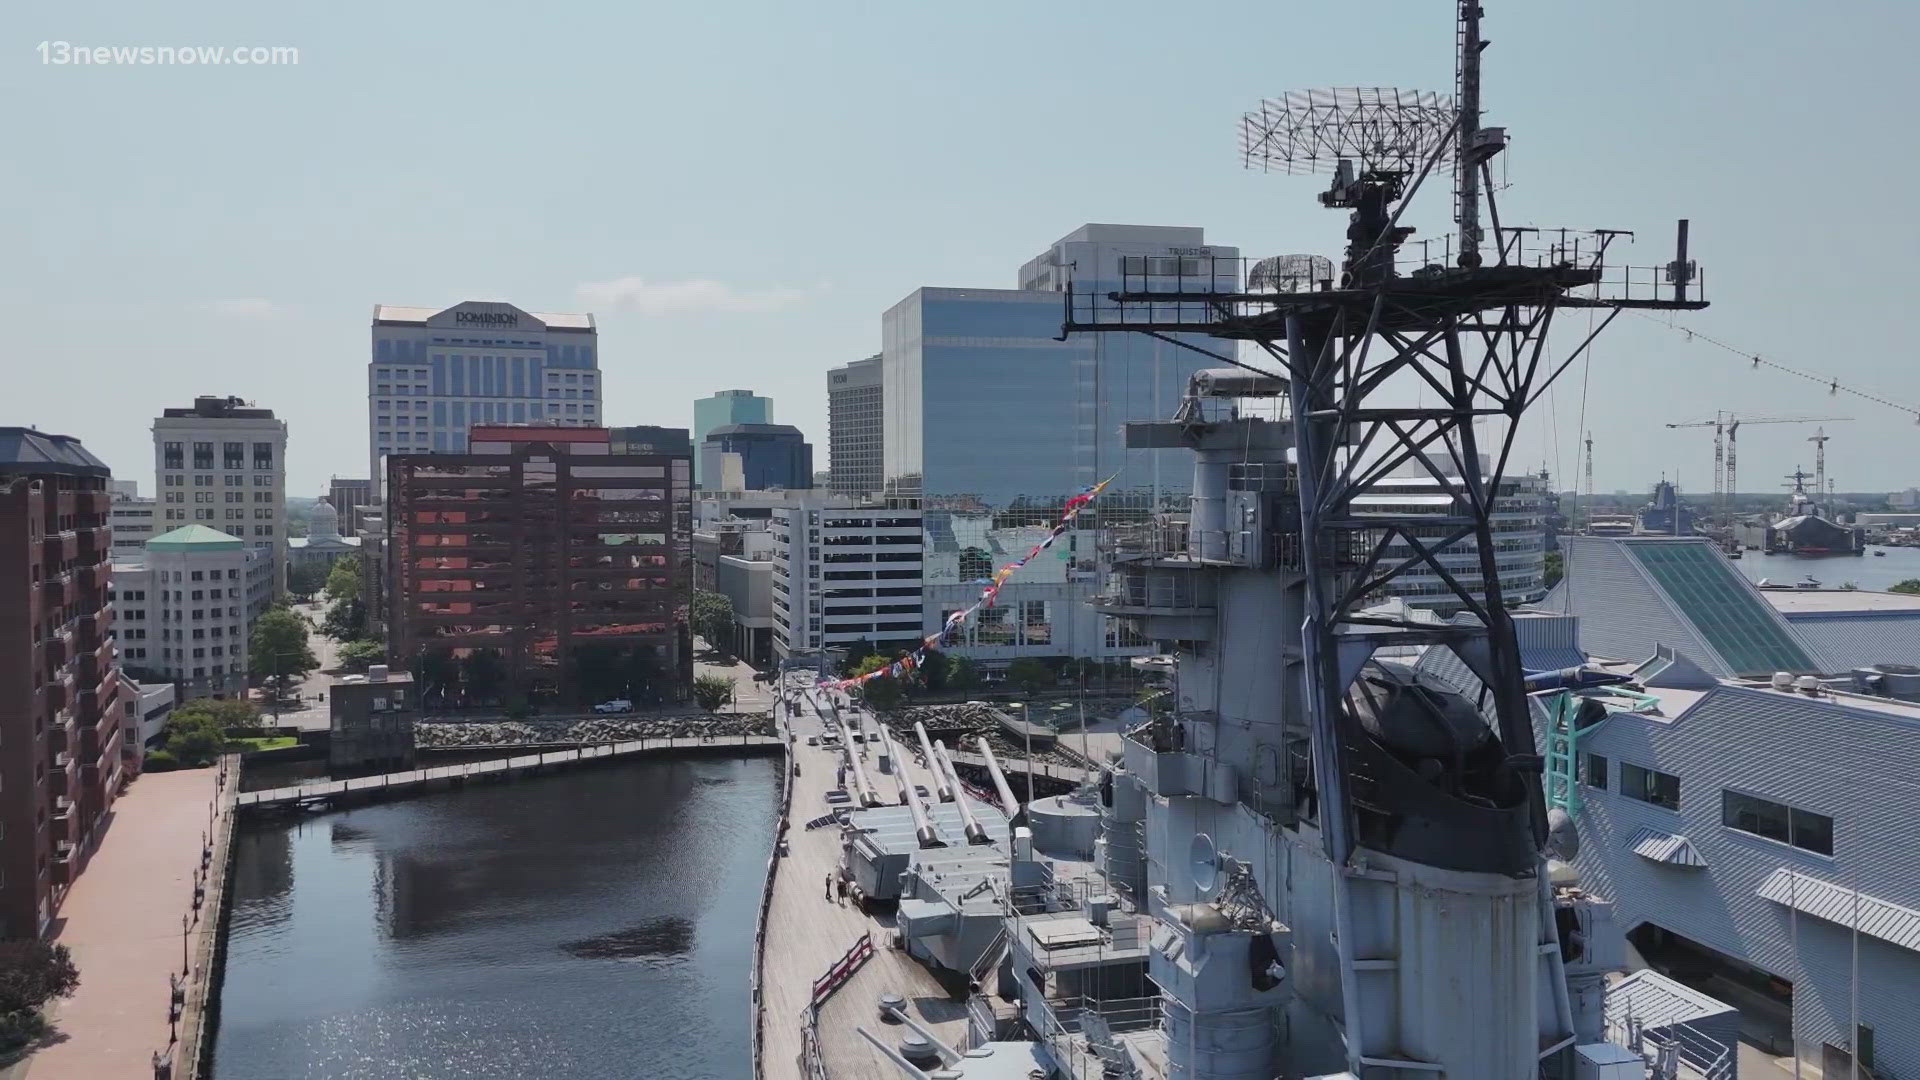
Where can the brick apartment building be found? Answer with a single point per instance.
(540, 566)
(60, 718)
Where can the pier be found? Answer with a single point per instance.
(330, 794)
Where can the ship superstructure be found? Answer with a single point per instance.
(1315, 859)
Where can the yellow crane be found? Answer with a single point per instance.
(1726, 429)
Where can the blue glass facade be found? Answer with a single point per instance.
(985, 408)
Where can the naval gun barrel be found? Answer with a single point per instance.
(943, 787)
(1007, 801)
(922, 825)
(943, 767)
(868, 795)
(900, 778)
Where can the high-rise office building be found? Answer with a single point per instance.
(844, 575)
(856, 443)
(437, 372)
(990, 422)
(348, 496)
(723, 408)
(540, 566)
(222, 463)
(60, 714)
(757, 457)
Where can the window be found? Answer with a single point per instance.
(1649, 786)
(1594, 772)
(1762, 817)
(263, 455)
(203, 455)
(173, 456)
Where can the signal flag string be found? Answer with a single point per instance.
(955, 621)
(1834, 386)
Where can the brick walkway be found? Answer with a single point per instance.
(122, 921)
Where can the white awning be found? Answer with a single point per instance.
(1664, 847)
(1870, 915)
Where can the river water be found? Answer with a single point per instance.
(593, 923)
(1870, 572)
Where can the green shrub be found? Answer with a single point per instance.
(160, 761)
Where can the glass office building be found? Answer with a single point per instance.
(992, 421)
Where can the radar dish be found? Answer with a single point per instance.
(1289, 273)
(1380, 128)
(1204, 862)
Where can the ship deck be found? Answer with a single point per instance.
(807, 931)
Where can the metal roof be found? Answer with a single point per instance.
(1657, 1001)
(26, 450)
(195, 538)
(1850, 908)
(1850, 639)
(1664, 848)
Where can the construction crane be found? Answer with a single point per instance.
(1726, 429)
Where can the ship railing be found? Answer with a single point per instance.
(755, 990)
(1674, 1051)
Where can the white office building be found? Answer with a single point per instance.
(182, 614)
(843, 575)
(222, 463)
(435, 373)
(1519, 536)
(132, 519)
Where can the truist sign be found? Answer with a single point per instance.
(486, 318)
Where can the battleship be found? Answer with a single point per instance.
(1315, 860)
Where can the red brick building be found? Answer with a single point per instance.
(60, 720)
(540, 566)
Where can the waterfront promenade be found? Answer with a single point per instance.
(122, 920)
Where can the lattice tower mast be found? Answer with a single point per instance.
(1447, 844)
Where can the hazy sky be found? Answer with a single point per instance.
(739, 189)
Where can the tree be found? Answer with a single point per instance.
(1556, 569)
(32, 973)
(359, 655)
(712, 691)
(962, 674)
(1029, 674)
(343, 581)
(279, 646)
(223, 714)
(484, 673)
(346, 620)
(195, 738)
(1911, 585)
(857, 653)
(882, 693)
(711, 617)
(437, 674)
(933, 670)
(307, 578)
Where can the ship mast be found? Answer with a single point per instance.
(1432, 841)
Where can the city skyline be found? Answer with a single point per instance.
(261, 255)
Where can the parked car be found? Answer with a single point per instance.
(617, 705)
(839, 795)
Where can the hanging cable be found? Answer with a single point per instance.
(1833, 385)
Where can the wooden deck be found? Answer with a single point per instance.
(807, 931)
(371, 787)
